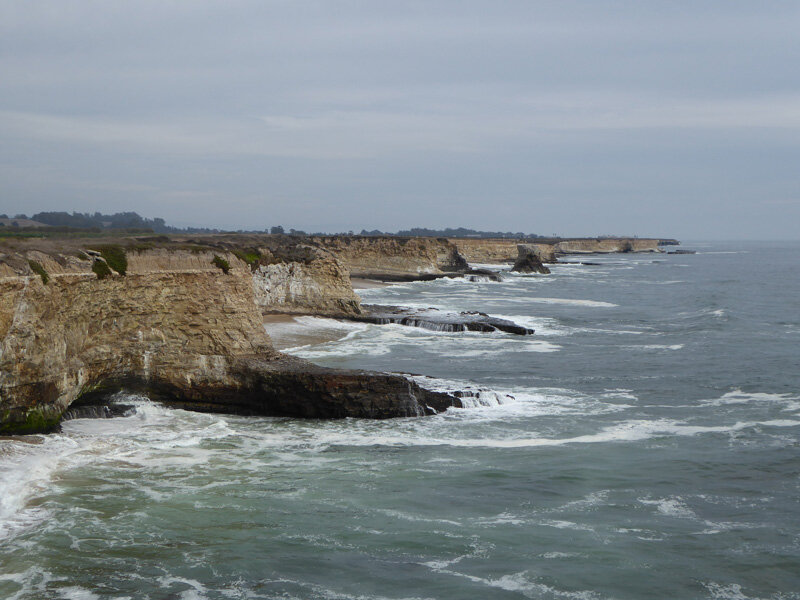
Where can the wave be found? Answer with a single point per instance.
(30, 464)
(572, 302)
(633, 430)
(153, 436)
(790, 402)
(380, 340)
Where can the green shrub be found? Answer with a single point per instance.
(82, 255)
(101, 269)
(39, 270)
(221, 263)
(115, 257)
(249, 255)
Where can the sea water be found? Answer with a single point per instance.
(643, 444)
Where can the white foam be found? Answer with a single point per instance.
(517, 582)
(625, 431)
(737, 396)
(29, 468)
(655, 346)
(731, 591)
(491, 266)
(673, 506)
(196, 589)
(543, 326)
(78, 593)
(572, 302)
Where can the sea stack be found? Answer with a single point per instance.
(528, 260)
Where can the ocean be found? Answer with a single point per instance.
(644, 443)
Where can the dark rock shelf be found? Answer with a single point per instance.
(436, 320)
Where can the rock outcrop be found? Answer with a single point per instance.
(436, 320)
(315, 282)
(181, 326)
(528, 260)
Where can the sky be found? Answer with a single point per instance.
(662, 118)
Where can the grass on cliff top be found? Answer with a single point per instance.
(249, 255)
(39, 270)
(115, 258)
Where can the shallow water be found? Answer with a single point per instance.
(643, 444)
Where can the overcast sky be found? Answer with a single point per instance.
(671, 118)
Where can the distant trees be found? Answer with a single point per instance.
(463, 232)
(276, 230)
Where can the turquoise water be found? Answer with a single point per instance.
(644, 444)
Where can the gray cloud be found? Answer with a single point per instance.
(573, 117)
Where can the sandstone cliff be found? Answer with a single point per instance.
(497, 251)
(309, 281)
(394, 258)
(607, 245)
(183, 326)
(486, 251)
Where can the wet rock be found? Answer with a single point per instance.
(479, 275)
(436, 320)
(528, 261)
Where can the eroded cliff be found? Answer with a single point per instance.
(394, 258)
(182, 326)
(498, 251)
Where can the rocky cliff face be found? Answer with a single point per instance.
(528, 260)
(607, 245)
(316, 283)
(486, 251)
(497, 251)
(394, 258)
(177, 327)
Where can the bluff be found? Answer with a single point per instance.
(392, 258)
(294, 277)
(181, 325)
(607, 245)
(501, 250)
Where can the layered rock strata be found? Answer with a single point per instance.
(178, 327)
(315, 282)
(498, 251)
(395, 258)
(607, 246)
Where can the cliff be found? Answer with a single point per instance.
(303, 279)
(486, 251)
(180, 325)
(607, 246)
(394, 258)
(497, 251)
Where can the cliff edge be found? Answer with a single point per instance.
(181, 325)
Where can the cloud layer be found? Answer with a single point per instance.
(572, 117)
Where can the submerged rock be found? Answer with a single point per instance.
(436, 320)
(98, 411)
(480, 275)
